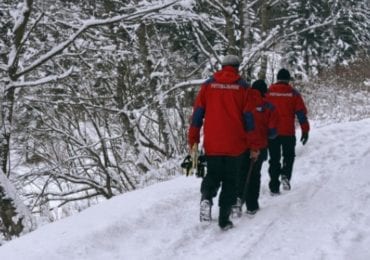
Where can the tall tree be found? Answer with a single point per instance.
(22, 66)
(323, 33)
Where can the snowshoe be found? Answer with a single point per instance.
(236, 210)
(252, 212)
(223, 219)
(205, 211)
(285, 183)
(226, 225)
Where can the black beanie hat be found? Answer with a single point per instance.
(260, 85)
(284, 75)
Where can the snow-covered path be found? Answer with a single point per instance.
(326, 215)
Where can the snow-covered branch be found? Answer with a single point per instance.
(200, 44)
(46, 80)
(266, 43)
(272, 3)
(87, 24)
(216, 4)
(312, 27)
(182, 85)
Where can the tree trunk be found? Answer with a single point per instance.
(246, 41)
(11, 217)
(153, 84)
(265, 26)
(8, 226)
(230, 29)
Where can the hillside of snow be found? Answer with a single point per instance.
(326, 215)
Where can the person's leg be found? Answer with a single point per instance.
(211, 182)
(209, 187)
(242, 175)
(231, 171)
(240, 184)
(255, 183)
(288, 145)
(274, 164)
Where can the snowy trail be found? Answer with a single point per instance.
(320, 214)
(326, 215)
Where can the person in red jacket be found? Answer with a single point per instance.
(223, 108)
(266, 117)
(289, 104)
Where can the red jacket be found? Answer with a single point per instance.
(289, 103)
(266, 117)
(226, 107)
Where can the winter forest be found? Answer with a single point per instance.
(96, 94)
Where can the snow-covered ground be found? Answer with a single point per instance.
(326, 215)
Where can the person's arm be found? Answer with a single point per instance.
(301, 113)
(197, 118)
(273, 120)
(253, 130)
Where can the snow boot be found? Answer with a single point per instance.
(275, 193)
(236, 210)
(223, 219)
(285, 182)
(205, 211)
(252, 212)
(252, 208)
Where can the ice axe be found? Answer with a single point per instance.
(247, 180)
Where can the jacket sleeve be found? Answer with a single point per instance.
(255, 137)
(301, 113)
(273, 120)
(197, 117)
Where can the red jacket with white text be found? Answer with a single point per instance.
(289, 104)
(266, 117)
(225, 107)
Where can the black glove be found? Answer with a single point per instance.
(304, 138)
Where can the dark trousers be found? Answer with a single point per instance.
(254, 184)
(282, 147)
(222, 170)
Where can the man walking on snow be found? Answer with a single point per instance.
(289, 104)
(266, 117)
(225, 107)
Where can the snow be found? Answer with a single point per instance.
(326, 215)
(367, 82)
(12, 193)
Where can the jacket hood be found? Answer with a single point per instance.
(228, 74)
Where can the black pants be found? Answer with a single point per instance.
(281, 147)
(254, 184)
(222, 170)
